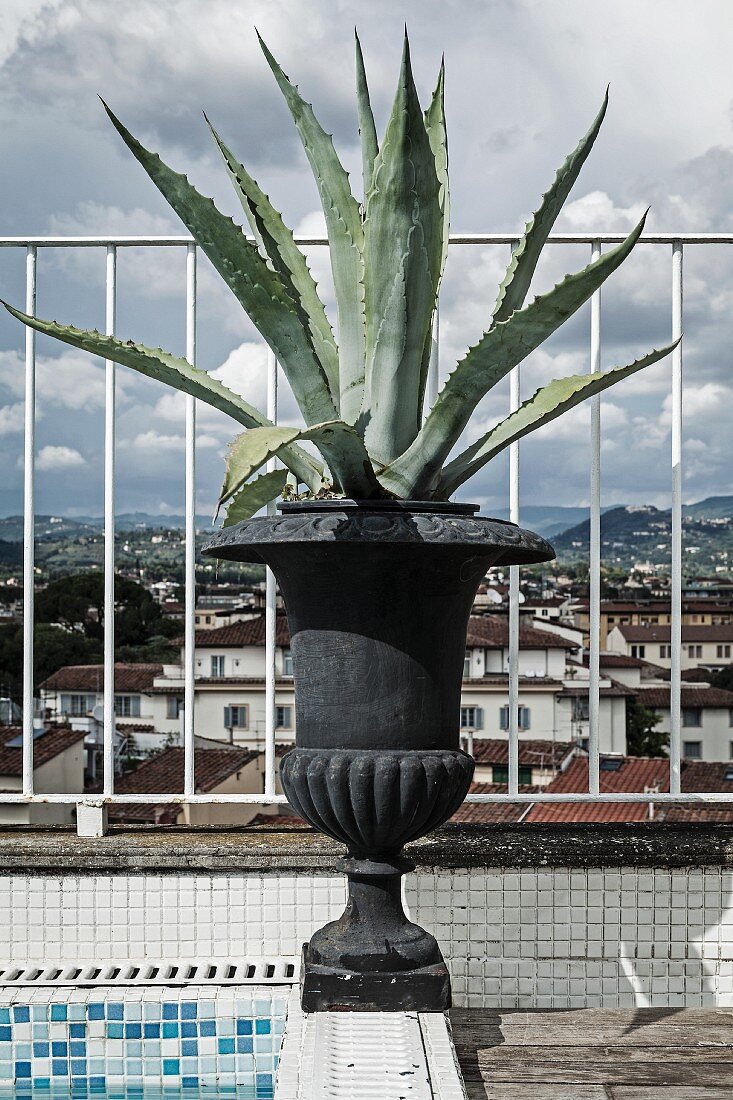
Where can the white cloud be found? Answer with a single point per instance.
(71, 380)
(12, 418)
(58, 458)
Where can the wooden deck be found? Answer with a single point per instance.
(596, 1054)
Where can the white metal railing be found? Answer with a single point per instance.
(676, 244)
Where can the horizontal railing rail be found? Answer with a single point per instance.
(112, 242)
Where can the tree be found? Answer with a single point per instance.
(77, 602)
(642, 739)
(723, 678)
(54, 647)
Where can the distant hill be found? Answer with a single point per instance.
(710, 508)
(621, 524)
(546, 519)
(63, 527)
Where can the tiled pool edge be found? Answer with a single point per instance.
(185, 1037)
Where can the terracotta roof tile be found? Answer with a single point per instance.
(492, 632)
(718, 632)
(55, 740)
(472, 813)
(692, 696)
(245, 632)
(136, 677)
(635, 774)
(163, 773)
(532, 753)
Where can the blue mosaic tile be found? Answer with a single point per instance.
(141, 1043)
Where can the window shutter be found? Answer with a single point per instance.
(524, 717)
(228, 717)
(504, 717)
(479, 721)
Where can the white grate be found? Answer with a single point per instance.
(281, 970)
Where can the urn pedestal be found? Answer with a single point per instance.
(378, 598)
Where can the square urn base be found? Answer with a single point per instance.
(325, 988)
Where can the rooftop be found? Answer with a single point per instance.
(55, 740)
(532, 752)
(134, 677)
(715, 632)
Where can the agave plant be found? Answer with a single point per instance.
(362, 396)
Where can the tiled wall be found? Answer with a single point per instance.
(91, 1040)
(531, 938)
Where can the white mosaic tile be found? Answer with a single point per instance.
(534, 938)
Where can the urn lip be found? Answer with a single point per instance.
(348, 504)
(417, 525)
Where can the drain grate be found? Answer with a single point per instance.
(282, 970)
(364, 1055)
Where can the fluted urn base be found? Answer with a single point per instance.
(373, 957)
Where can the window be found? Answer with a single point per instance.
(500, 774)
(692, 750)
(580, 712)
(472, 718)
(287, 663)
(730, 757)
(692, 716)
(236, 717)
(218, 664)
(694, 650)
(722, 651)
(173, 706)
(638, 651)
(284, 718)
(467, 664)
(665, 651)
(77, 706)
(127, 706)
(524, 716)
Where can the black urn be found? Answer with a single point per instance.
(378, 597)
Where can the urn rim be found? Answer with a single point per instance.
(414, 526)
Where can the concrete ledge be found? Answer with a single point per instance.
(172, 849)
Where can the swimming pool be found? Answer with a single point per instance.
(142, 1042)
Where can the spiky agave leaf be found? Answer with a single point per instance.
(288, 261)
(338, 442)
(178, 373)
(257, 286)
(367, 129)
(548, 403)
(515, 284)
(402, 255)
(438, 137)
(497, 352)
(345, 239)
(255, 495)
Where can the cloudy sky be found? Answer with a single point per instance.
(524, 78)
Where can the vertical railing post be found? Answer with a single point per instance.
(675, 687)
(108, 725)
(189, 672)
(594, 555)
(514, 401)
(270, 608)
(29, 505)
